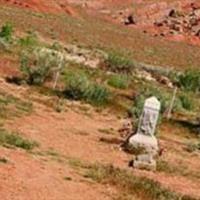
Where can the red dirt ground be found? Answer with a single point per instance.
(146, 11)
(50, 6)
(73, 134)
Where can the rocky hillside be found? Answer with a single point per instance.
(74, 77)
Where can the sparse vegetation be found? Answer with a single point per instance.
(186, 102)
(141, 186)
(6, 32)
(79, 87)
(76, 163)
(107, 131)
(29, 40)
(38, 65)
(119, 63)
(14, 140)
(6, 36)
(119, 81)
(182, 103)
(11, 106)
(136, 110)
(139, 100)
(192, 147)
(190, 80)
(3, 45)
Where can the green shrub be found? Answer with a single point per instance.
(29, 40)
(11, 139)
(186, 102)
(6, 32)
(162, 96)
(181, 103)
(116, 62)
(119, 81)
(76, 85)
(190, 80)
(38, 65)
(96, 94)
(56, 46)
(136, 110)
(79, 87)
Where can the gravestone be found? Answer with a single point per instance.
(144, 143)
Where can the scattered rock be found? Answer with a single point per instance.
(130, 20)
(165, 81)
(142, 74)
(196, 30)
(172, 13)
(90, 58)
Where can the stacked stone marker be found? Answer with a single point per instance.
(144, 143)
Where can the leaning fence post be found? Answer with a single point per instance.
(172, 104)
(58, 73)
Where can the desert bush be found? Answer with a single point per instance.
(186, 102)
(97, 94)
(56, 46)
(119, 81)
(3, 44)
(12, 139)
(79, 87)
(164, 97)
(136, 110)
(76, 84)
(6, 36)
(190, 80)
(28, 40)
(182, 102)
(191, 147)
(6, 32)
(116, 62)
(39, 65)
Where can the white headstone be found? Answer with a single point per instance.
(149, 117)
(144, 139)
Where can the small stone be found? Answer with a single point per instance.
(172, 13)
(129, 20)
(193, 22)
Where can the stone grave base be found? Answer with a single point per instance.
(145, 162)
(145, 149)
(143, 144)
